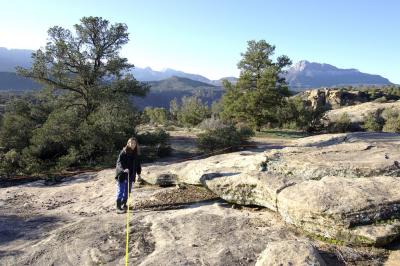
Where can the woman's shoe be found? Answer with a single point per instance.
(119, 207)
(124, 205)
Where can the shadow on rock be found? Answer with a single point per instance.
(13, 227)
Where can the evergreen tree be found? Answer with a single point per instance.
(261, 87)
(86, 64)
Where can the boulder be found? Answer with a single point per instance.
(340, 208)
(333, 98)
(290, 252)
(248, 188)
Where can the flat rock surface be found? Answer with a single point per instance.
(336, 185)
(290, 252)
(190, 172)
(344, 155)
(358, 112)
(249, 188)
(74, 223)
(331, 206)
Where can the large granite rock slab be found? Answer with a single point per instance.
(191, 172)
(248, 188)
(339, 186)
(346, 209)
(344, 155)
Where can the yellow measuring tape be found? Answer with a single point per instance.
(127, 227)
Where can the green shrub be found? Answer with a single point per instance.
(192, 111)
(382, 99)
(155, 115)
(227, 137)
(245, 131)
(154, 144)
(105, 132)
(298, 114)
(17, 125)
(211, 123)
(290, 125)
(9, 162)
(373, 122)
(72, 158)
(159, 136)
(342, 124)
(392, 123)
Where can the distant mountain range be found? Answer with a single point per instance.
(305, 75)
(163, 91)
(10, 58)
(301, 76)
(148, 74)
(13, 82)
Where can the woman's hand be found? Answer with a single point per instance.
(126, 170)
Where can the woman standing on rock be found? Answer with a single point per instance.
(128, 165)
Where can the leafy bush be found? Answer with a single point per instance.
(227, 137)
(192, 111)
(17, 125)
(154, 144)
(373, 122)
(341, 125)
(212, 123)
(159, 136)
(155, 115)
(9, 162)
(392, 123)
(245, 131)
(106, 131)
(297, 114)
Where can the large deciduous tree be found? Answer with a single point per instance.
(260, 89)
(86, 64)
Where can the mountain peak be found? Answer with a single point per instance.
(305, 74)
(304, 65)
(301, 65)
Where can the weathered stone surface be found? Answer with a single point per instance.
(337, 186)
(75, 223)
(357, 113)
(344, 155)
(58, 222)
(337, 98)
(248, 188)
(290, 252)
(377, 234)
(333, 98)
(190, 172)
(394, 258)
(333, 207)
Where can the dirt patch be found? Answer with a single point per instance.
(175, 198)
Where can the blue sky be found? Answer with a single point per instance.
(207, 37)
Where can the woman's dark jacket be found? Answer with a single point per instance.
(127, 160)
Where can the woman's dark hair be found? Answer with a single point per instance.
(128, 147)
